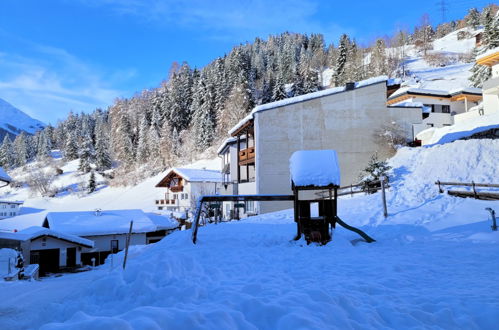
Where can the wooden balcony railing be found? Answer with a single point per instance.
(177, 188)
(165, 201)
(247, 156)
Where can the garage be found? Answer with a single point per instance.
(47, 259)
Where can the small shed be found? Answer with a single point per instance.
(50, 249)
(315, 178)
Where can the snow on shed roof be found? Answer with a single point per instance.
(11, 202)
(434, 92)
(4, 177)
(35, 232)
(314, 168)
(309, 96)
(90, 223)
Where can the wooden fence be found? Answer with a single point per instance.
(485, 195)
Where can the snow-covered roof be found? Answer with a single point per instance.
(462, 129)
(163, 221)
(487, 53)
(197, 175)
(11, 202)
(435, 92)
(35, 232)
(227, 142)
(4, 177)
(408, 105)
(92, 223)
(310, 96)
(314, 168)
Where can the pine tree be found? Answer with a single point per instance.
(203, 120)
(87, 154)
(473, 18)
(373, 172)
(20, 150)
(480, 73)
(339, 78)
(279, 91)
(6, 153)
(378, 65)
(44, 145)
(143, 151)
(92, 184)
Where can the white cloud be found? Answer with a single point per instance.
(219, 18)
(51, 82)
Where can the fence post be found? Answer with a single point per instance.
(439, 187)
(383, 196)
(127, 243)
(474, 189)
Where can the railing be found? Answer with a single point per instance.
(247, 156)
(474, 193)
(165, 201)
(177, 188)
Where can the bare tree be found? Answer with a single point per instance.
(41, 182)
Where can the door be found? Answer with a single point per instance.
(48, 260)
(71, 257)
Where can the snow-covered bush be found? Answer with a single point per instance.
(371, 175)
(391, 135)
(41, 182)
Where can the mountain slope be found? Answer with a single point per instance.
(13, 121)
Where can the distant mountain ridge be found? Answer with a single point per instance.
(13, 121)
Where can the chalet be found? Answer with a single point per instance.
(342, 118)
(108, 230)
(52, 250)
(181, 188)
(439, 107)
(4, 178)
(491, 86)
(9, 209)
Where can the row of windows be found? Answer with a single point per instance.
(182, 196)
(12, 206)
(7, 214)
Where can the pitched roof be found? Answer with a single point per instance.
(193, 175)
(92, 223)
(4, 177)
(11, 202)
(35, 232)
(310, 96)
(317, 168)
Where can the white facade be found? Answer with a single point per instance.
(9, 209)
(180, 188)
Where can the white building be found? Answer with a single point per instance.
(108, 229)
(9, 209)
(343, 119)
(181, 188)
(50, 249)
(439, 106)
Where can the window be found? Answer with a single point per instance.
(430, 125)
(445, 108)
(250, 207)
(114, 246)
(175, 196)
(12, 206)
(431, 106)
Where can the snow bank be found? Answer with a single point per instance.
(314, 168)
(463, 129)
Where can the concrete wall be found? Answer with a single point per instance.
(491, 96)
(345, 122)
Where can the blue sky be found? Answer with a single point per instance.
(62, 55)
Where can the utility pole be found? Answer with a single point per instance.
(442, 6)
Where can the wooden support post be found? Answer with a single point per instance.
(439, 187)
(383, 196)
(238, 166)
(129, 236)
(474, 189)
(351, 190)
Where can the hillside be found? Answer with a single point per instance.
(432, 266)
(13, 121)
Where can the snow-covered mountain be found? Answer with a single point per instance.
(13, 121)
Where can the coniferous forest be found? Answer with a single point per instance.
(190, 112)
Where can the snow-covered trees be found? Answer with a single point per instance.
(490, 40)
(473, 18)
(6, 153)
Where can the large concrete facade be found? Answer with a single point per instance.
(345, 122)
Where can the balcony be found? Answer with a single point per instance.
(247, 156)
(165, 201)
(178, 188)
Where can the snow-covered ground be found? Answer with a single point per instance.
(434, 265)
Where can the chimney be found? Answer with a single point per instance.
(350, 86)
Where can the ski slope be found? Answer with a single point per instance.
(434, 265)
